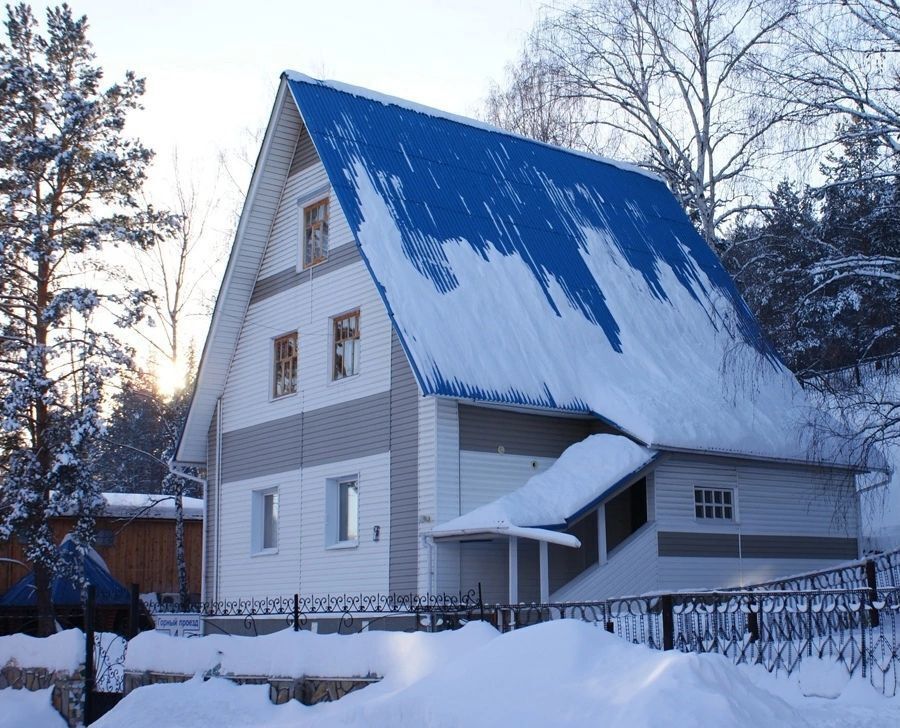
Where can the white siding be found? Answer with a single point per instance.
(363, 568)
(283, 251)
(447, 485)
(679, 572)
(771, 498)
(632, 569)
(308, 308)
(486, 476)
(241, 573)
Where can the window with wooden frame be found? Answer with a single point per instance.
(714, 503)
(345, 346)
(284, 380)
(315, 232)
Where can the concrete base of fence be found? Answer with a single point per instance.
(68, 688)
(308, 690)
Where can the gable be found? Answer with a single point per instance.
(522, 274)
(240, 277)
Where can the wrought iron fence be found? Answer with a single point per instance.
(348, 612)
(778, 630)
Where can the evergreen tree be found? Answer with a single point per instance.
(821, 267)
(69, 178)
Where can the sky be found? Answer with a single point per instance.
(212, 70)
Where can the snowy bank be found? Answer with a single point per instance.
(401, 655)
(61, 651)
(20, 708)
(562, 673)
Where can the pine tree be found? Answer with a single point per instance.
(69, 178)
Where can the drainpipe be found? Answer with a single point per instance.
(428, 542)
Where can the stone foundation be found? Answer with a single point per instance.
(68, 688)
(308, 690)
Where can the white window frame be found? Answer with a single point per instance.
(257, 521)
(332, 343)
(713, 490)
(333, 512)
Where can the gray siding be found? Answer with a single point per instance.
(404, 444)
(291, 277)
(347, 430)
(270, 447)
(342, 431)
(483, 429)
(304, 154)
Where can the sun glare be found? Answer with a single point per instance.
(169, 377)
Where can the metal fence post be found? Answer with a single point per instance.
(89, 655)
(668, 622)
(753, 623)
(296, 612)
(872, 585)
(134, 612)
(480, 602)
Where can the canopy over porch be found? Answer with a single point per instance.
(584, 475)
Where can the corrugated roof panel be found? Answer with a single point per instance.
(521, 273)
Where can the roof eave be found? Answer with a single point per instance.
(183, 453)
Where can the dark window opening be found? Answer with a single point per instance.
(626, 513)
(566, 563)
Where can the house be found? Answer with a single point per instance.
(135, 539)
(444, 355)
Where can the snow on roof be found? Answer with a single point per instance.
(524, 274)
(149, 505)
(583, 475)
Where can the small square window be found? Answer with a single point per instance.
(315, 233)
(265, 520)
(105, 537)
(286, 359)
(714, 503)
(345, 351)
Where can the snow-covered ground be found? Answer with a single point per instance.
(563, 673)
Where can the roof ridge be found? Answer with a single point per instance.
(389, 100)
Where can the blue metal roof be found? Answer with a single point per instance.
(64, 590)
(444, 180)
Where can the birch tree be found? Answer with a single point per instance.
(681, 82)
(69, 177)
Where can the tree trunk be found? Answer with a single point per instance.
(179, 544)
(46, 619)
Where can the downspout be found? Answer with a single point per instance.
(428, 542)
(218, 489)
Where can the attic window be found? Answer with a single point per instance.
(284, 380)
(346, 345)
(315, 232)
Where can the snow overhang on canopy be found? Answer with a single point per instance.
(520, 273)
(585, 474)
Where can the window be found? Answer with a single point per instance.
(285, 374)
(265, 520)
(105, 537)
(714, 503)
(315, 232)
(345, 354)
(343, 511)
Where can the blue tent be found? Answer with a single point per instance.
(64, 591)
